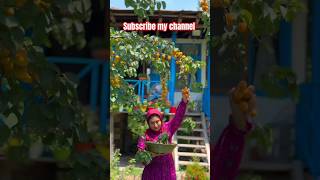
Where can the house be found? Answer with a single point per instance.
(192, 43)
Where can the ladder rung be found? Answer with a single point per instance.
(191, 146)
(196, 129)
(190, 138)
(190, 162)
(190, 154)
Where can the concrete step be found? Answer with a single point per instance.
(191, 146)
(190, 154)
(190, 162)
(190, 138)
(195, 130)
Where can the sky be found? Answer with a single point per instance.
(186, 5)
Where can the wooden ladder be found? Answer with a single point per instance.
(194, 145)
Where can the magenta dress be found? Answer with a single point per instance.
(228, 152)
(162, 167)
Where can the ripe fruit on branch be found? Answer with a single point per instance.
(9, 11)
(242, 96)
(6, 65)
(204, 5)
(20, 3)
(115, 82)
(243, 27)
(229, 19)
(22, 74)
(117, 59)
(157, 55)
(185, 92)
(21, 58)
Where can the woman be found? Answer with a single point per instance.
(228, 151)
(162, 165)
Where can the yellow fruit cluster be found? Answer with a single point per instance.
(204, 5)
(185, 92)
(14, 142)
(10, 11)
(41, 4)
(115, 82)
(229, 19)
(243, 27)
(117, 59)
(179, 56)
(20, 3)
(16, 67)
(241, 96)
(163, 57)
(164, 89)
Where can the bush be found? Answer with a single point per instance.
(196, 172)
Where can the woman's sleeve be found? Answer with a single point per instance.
(141, 143)
(176, 121)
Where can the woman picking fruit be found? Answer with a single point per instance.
(228, 151)
(162, 166)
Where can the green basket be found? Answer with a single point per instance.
(160, 148)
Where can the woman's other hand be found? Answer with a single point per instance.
(239, 117)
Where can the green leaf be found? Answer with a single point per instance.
(246, 16)
(11, 22)
(158, 5)
(283, 11)
(163, 4)
(11, 120)
(86, 4)
(79, 26)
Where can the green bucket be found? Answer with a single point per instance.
(160, 148)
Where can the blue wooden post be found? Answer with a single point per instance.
(315, 123)
(285, 43)
(104, 101)
(172, 81)
(207, 96)
(94, 86)
(84, 71)
(142, 90)
(199, 72)
(315, 40)
(302, 124)
(139, 90)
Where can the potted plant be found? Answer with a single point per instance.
(195, 171)
(101, 145)
(192, 106)
(36, 147)
(260, 141)
(188, 124)
(61, 152)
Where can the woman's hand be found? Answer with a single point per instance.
(185, 94)
(239, 117)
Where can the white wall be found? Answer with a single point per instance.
(269, 111)
(299, 44)
(193, 97)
